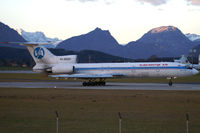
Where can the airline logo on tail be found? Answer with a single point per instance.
(39, 53)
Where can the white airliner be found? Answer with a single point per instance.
(97, 73)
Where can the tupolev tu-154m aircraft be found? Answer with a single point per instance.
(96, 73)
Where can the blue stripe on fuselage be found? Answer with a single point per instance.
(128, 68)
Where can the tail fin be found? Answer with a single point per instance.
(43, 57)
(41, 54)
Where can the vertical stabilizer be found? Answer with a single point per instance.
(41, 54)
(43, 58)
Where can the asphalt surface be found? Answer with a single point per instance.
(109, 86)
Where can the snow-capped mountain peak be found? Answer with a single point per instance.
(36, 36)
(163, 29)
(192, 37)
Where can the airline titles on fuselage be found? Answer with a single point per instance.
(144, 65)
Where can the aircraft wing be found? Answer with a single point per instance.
(87, 76)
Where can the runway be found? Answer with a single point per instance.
(109, 86)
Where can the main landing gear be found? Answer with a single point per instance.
(94, 83)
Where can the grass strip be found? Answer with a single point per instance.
(95, 111)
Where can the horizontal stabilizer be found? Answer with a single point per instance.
(29, 43)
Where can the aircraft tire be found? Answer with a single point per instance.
(102, 83)
(98, 83)
(84, 84)
(93, 83)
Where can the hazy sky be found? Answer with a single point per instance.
(127, 20)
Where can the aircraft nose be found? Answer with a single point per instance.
(194, 71)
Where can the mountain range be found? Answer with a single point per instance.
(165, 41)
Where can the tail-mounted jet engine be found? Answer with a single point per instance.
(61, 69)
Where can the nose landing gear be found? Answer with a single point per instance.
(170, 81)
